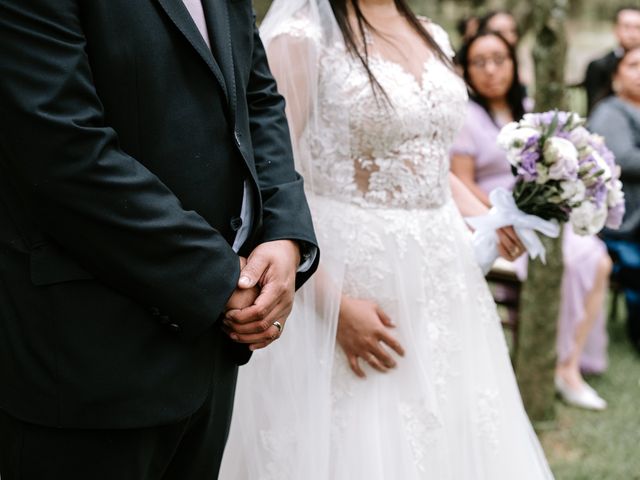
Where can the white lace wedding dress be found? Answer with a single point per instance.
(382, 204)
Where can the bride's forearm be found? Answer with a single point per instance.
(324, 290)
(468, 204)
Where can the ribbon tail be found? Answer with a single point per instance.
(533, 244)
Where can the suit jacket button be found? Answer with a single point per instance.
(236, 223)
(175, 328)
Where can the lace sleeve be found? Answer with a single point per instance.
(441, 37)
(300, 27)
(292, 51)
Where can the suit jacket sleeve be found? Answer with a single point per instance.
(97, 203)
(591, 81)
(597, 81)
(286, 213)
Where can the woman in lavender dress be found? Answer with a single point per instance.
(489, 65)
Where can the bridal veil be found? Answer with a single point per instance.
(288, 384)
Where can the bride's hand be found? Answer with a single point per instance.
(362, 326)
(509, 245)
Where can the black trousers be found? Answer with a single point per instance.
(188, 450)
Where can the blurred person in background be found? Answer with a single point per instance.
(490, 69)
(617, 118)
(502, 22)
(467, 27)
(598, 76)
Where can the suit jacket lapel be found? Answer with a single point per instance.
(217, 16)
(181, 18)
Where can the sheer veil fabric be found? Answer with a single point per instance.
(389, 231)
(281, 427)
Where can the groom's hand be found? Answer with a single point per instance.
(242, 297)
(272, 267)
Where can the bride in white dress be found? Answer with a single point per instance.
(418, 384)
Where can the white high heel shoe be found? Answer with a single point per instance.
(585, 397)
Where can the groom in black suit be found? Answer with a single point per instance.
(144, 159)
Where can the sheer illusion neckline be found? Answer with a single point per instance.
(424, 69)
(377, 55)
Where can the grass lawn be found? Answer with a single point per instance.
(586, 445)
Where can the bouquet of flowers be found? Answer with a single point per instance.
(563, 173)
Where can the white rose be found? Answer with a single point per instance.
(543, 174)
(573, 191)
(513, 136)
(530, 120)
(506, 133)
(615, 194)
(514, 157)
(596, 139)
(574, 119)
(580, 136)
(602, 165)
(587, 219)
(562, 157)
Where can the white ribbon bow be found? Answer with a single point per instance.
(504, 212)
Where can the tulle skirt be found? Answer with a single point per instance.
(450, 410)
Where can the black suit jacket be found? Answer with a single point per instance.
(597, 80)
(124, 145)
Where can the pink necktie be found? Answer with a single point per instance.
(195, 9)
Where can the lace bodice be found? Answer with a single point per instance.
(367, 153)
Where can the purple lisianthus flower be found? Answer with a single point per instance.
(597, 143)
(615, 216)
(608, 156)
(598, 193)
(528, 169)
(580, 137)
(532, 142)
(564, 122)
(547, 117)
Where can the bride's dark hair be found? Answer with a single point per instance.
(356, 40)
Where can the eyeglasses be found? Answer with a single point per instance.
(482, 62)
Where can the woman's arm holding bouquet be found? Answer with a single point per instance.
(463, 167)
(509, 245)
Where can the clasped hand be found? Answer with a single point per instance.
(364, 332)
(264, 294)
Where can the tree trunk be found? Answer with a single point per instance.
(523, 13)
(540, 302)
